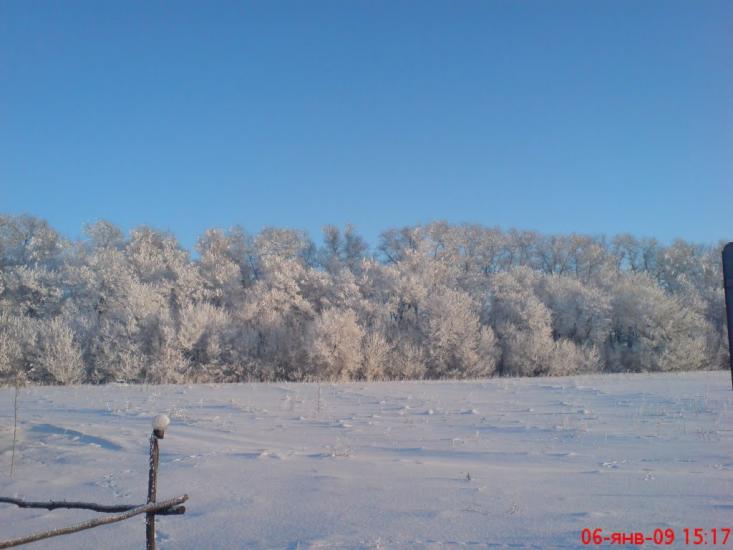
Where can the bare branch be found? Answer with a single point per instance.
(55, 504)
(152, 507)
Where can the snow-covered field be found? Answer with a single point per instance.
(515, 463)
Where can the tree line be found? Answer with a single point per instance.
(432, 301)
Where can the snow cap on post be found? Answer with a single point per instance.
(160, 423)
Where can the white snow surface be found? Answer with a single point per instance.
(501, 463)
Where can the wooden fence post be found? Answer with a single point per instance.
(152, 490)
(160, 423)
(728, 289)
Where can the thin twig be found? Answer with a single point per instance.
(15, 424)
(54, 504)
(152, 507)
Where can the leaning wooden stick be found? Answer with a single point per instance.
(152, 507)
(55, 504)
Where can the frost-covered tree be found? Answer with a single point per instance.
(225, 267)
(522, 323)
(579, 312)
(354, 249)
(376, 352)
(335, 344)
(652, 331)
(55, 356)
(439, 300)
(103, 234)
(275, 319)
(286, 244)
(339, 251)
(12, 336)
(457, 345)
(394, 243)
(408, 361)
(30, 242)
(205, 340)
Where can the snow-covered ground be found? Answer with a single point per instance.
(515, 463)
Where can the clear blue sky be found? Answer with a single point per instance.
(560, 116)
